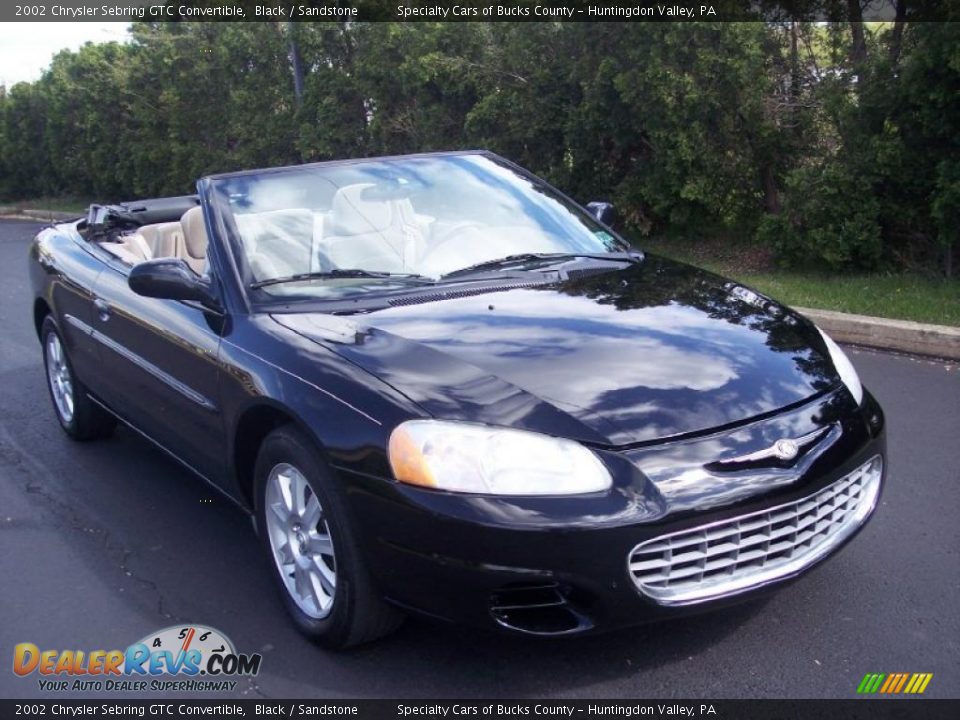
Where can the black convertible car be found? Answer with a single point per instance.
(442, 386)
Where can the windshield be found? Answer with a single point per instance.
(395, 222)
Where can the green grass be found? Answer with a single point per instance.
(57, 204)
(901, 296)
(905, 297)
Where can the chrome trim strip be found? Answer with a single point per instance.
(78, 323)
(172, 455)
(723, 588)
(143, 364)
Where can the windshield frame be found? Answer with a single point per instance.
(260, 301)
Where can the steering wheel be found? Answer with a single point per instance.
(454, 233)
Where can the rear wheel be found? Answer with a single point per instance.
(307, 533)
(79, 416)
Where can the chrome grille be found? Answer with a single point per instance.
(744, 552)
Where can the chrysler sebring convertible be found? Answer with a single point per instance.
(442, 387)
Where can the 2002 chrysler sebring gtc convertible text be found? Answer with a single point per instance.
(444, 387)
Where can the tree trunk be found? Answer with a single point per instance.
(771, 193)
(896, 37)
(858, 50)
(296, 62)
(795, 77)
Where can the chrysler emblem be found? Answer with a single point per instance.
(785, 449)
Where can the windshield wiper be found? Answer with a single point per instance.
(338, 273)
(521, 258)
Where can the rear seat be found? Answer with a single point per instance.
(163, 239)
(186, 239)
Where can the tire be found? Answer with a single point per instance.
(312, 547)
(80, 417)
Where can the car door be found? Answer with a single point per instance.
(161, 360)
(72, 271)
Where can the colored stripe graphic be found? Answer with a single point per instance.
(894, 683)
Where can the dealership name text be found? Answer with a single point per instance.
(561, 710)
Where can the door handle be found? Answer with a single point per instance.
(102, 308)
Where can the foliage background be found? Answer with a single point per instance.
(832, 144)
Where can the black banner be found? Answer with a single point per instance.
(857, 709)
(468, 10)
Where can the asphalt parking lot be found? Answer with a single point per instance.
(103, 543)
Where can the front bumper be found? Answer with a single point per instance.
(560, 566)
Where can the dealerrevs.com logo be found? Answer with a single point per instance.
(177, 658)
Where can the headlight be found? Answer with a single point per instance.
(462, 457)
(843, 367)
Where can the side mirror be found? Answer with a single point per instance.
(171, 279)
(603, 211)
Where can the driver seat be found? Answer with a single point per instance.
(193, 250)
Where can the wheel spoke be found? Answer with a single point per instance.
(280, 510)
(285, 485)
(322, 594)
(301, 582)
(285, 554)
(327, 577)
(312, 513)
(320, 545)
(298, 490)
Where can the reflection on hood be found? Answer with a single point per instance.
(651, 351)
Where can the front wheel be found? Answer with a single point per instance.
(79, 416)
(307, 534)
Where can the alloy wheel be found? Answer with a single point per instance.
(59, 378)
(300, 540)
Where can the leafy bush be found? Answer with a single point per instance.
(827, 219)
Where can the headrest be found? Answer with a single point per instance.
(351, 214)
(194, 233)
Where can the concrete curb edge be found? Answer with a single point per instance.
(941, 341)
(13, 212)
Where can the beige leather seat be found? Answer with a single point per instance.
(132, 249)
(372, 233)
(194, 249)
(163, 239)
(186, 239)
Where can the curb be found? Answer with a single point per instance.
(941, 341)
(17, 213)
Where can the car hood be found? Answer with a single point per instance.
(654, 350)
